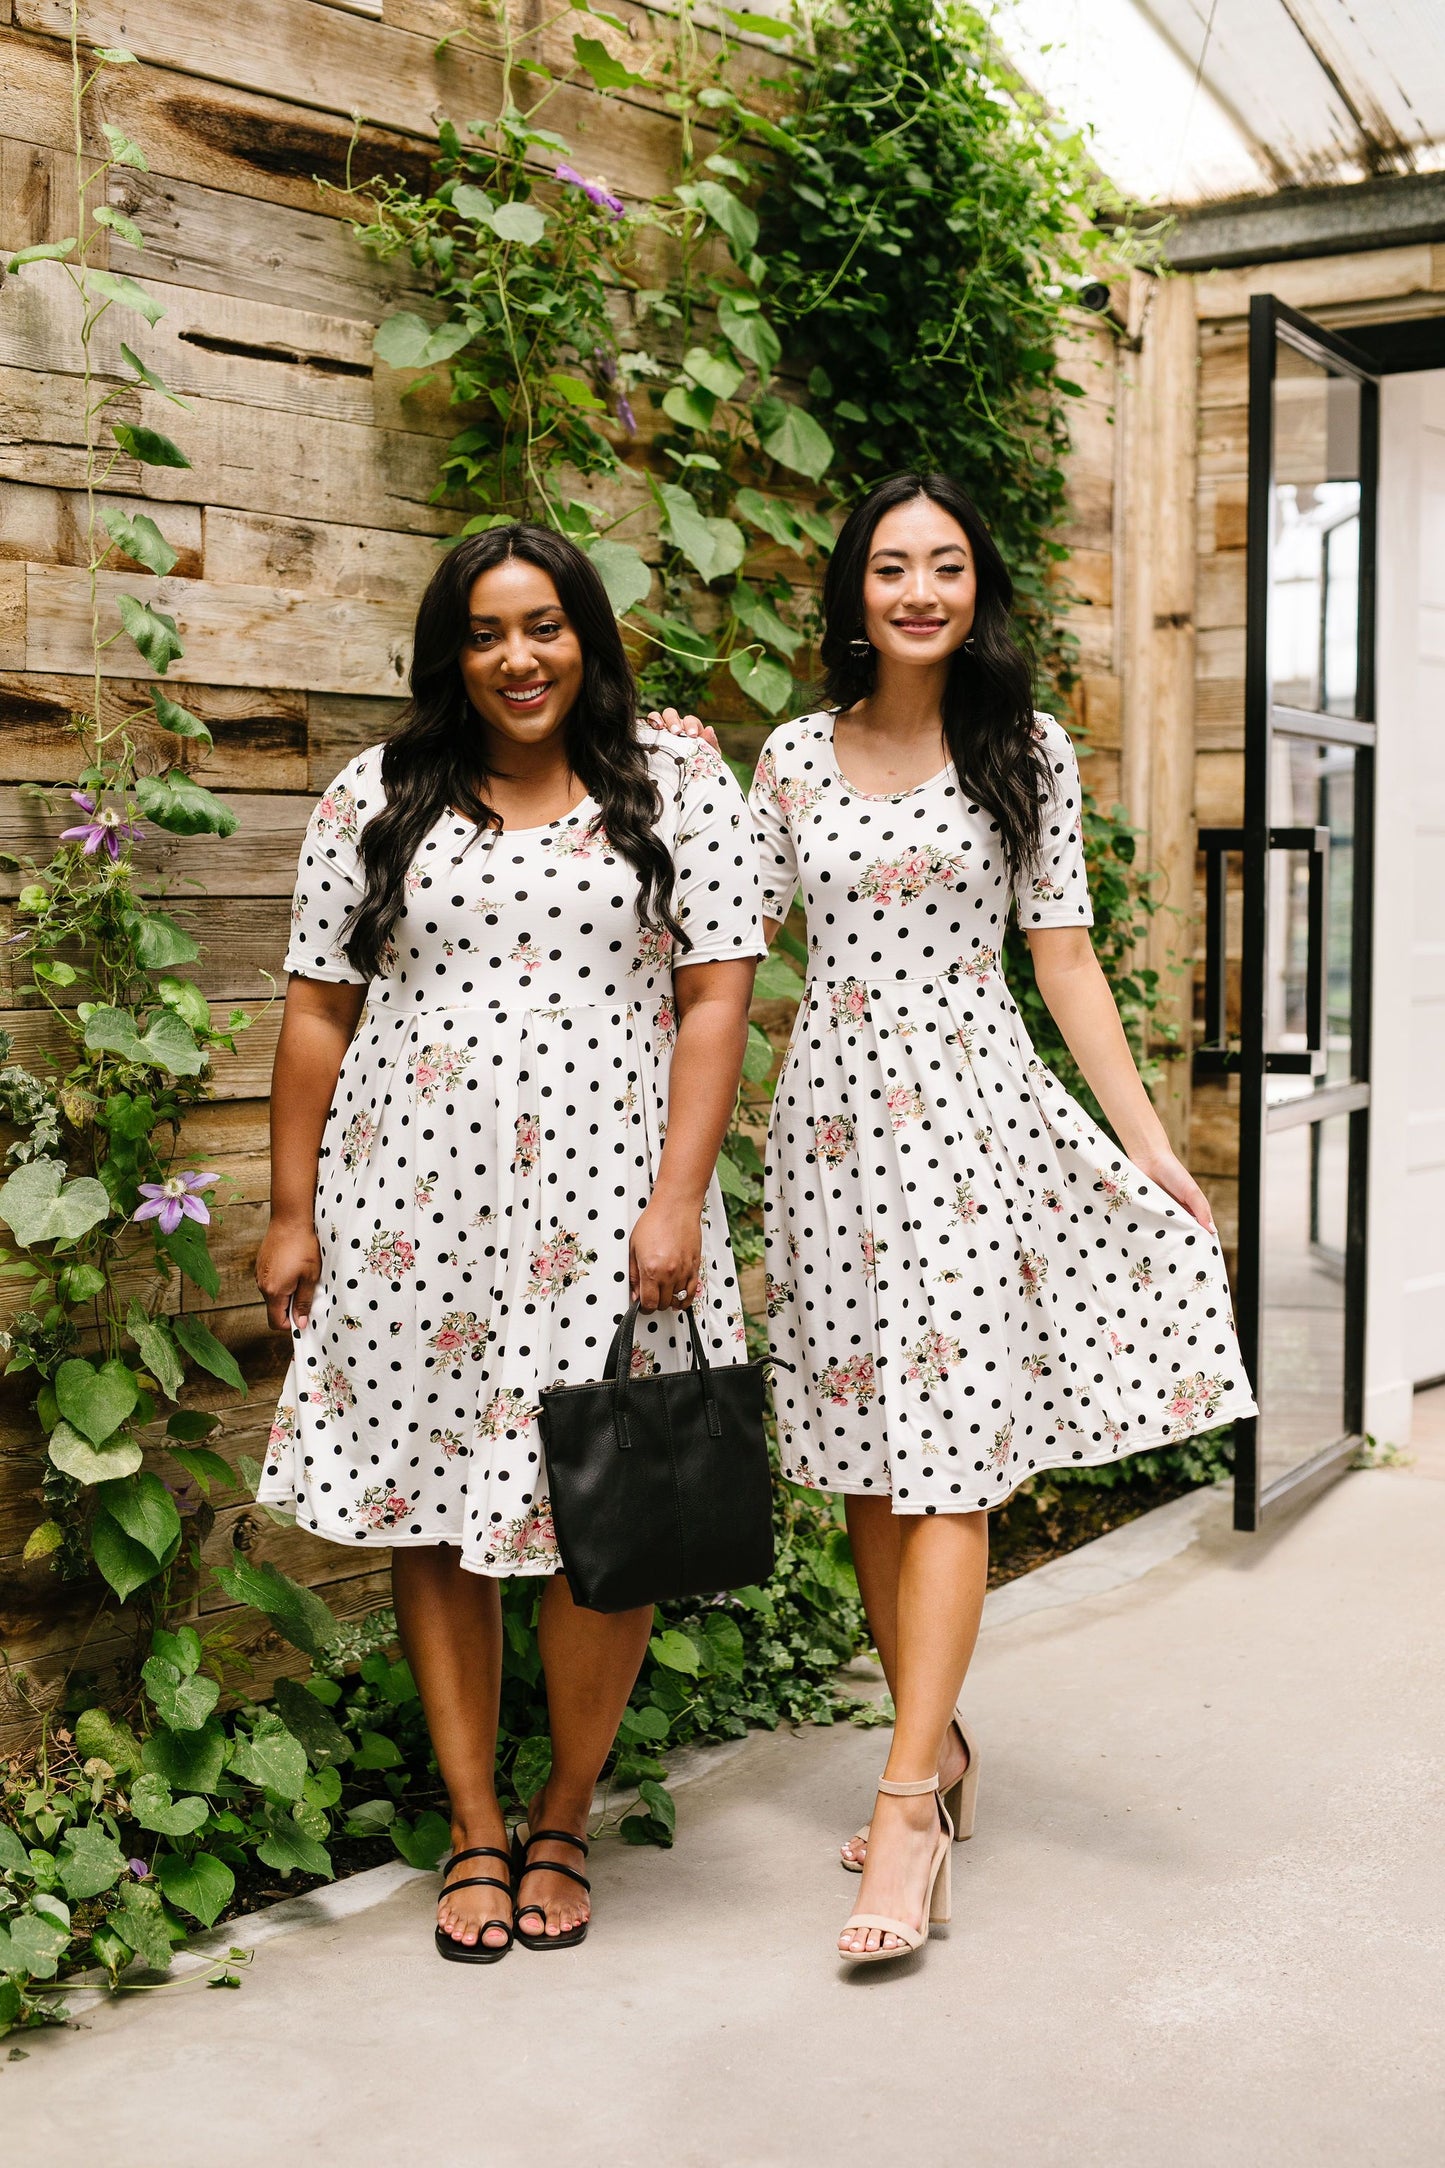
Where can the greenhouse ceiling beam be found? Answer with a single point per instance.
(1389, 213)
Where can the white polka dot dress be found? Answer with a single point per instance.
(968, 1278)
(495, 1132)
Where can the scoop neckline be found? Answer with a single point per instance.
(877, 797)
(541, 828)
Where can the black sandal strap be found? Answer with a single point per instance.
(556, 1836)
(540, 1910)
(477, 1851)
(552, 1866)
(474, 1881)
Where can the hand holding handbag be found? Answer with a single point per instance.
(660, 1485)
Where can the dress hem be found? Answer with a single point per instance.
(1230, 1412)
(385, 1540)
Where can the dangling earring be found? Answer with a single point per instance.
(860, 647)
(968, 645)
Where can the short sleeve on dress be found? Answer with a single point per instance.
(1055, 891)
(778, 856)
(715, 857)
(329, 882)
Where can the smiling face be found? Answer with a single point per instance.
(919, 588)
(521, 662)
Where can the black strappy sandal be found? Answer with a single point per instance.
(521, 1865)
(478, 1952)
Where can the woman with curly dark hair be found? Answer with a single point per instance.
(524, 941)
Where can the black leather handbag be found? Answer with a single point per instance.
(660, 1484)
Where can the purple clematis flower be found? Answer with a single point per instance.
(104, 831)
(625, 414)
(175, 1199)
(139, 1869)
(595, 191)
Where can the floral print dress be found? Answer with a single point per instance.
(494, 1134)
(968, 1279)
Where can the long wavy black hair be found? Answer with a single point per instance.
(988, 706)
(437, 758)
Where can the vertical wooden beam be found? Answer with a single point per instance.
(1159, 526)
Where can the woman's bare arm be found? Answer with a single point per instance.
(1078, 998)
(707, 1062)
(317, 1028)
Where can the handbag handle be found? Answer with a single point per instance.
(618, 1371)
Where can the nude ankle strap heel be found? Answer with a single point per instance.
(937, 1901)
(961, 1798)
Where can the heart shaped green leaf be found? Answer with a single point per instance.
(38, 1205)
(145, 1509)
(88, 1862)
(201, 1885)
(182, 807)
(141, 539)
(155, 1809)
(179, 721)
(154, 633)
(189, 1761)
(152, 1335)
(271, 1758)
(96, 1401)
(83, 1462)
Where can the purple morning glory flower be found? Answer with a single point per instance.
(606, 364)
(625, 414)
(139, 1869)
(105, 829)
(595, 191)
(175, 1199)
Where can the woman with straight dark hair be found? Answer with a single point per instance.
(524, 941)
(968, 1281)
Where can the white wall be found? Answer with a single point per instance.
(1405, 1338)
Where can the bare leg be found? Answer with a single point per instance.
(876, 1534)
(591, 1660)
(451, 1629)
(943, 1571)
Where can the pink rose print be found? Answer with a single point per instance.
(904, 1104)
(873, 1249)
(506, 1411)
(448, 1443)
(1116, 1197)
(1036, 1366)
(528, 1539)
(1140, 1271)
(1002, 1445)
(777, 1294)
(1044, 891)
(654, 948)
(333, 1395)
(528, 955)
(965, 1204)
(437, 1068)
(794, 798)
(336, 814)
(390, 1255)
(423, 1189)
(461, 1332)
(853, 1380)
(357, 1139)
(529, 1144)
(383, 1507)
(580, 842)
(1033, 1270)
(1051, 1199)
(559, 1264)
(930, 1359)
(905, 879)
(1194, 1401)
(643, 1363)
(283, 1428)
(664, 1024)
(980, 964)
(833, 1138)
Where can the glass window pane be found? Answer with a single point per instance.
(1312, 785)
(1315, 533)
(1302, 1337)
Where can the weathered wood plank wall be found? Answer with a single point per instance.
(305, 528)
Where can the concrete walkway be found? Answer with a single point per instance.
(1200, 1927)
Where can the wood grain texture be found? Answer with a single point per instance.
(259, 860)
(329, 642)
(260, 734)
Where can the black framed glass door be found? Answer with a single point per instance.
(1305, 850)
